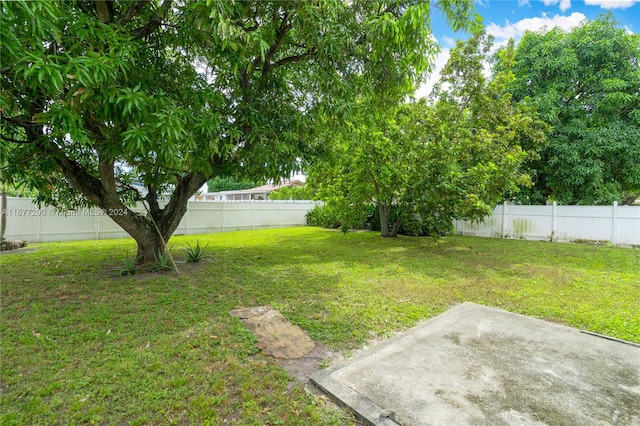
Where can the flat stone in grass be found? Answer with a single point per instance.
(276, 336)
(6, 245)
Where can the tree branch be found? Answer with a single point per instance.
(128, 188)
(106, 171)
(8, 139)
(133, 11)
(280, 34)
(32, 129)
(152, 199)
(295, 58)
(102, 7)
(91, 187)
(84, 182)
(154, 22)
(20, 120)
(107, 175)
(177, 205)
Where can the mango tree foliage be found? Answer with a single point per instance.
(453, 157)
(304, 192)
(587, 86)
(100, 98)
(229, 183)
(370, 161)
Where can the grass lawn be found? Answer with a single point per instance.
(81, 345)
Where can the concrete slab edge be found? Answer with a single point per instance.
(375, 415)
(361, 406)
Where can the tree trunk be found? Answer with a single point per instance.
(145, 229)
(386, 230)
(141, 228)
(629, 199)
(158, 224)
(396, 227)
(3, 216)
(149, 247)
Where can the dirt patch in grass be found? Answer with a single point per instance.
(18, 251)
(306, 366)
(153, 271)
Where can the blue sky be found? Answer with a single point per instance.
(511, 18)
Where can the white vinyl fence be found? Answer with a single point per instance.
(616, 225)
(25, 221)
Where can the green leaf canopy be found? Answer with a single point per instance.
(586, 84)
(100, 98)
(453, 157)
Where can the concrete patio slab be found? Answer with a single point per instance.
(475, 365)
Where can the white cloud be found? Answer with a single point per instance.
(448, 41)
(611, 4)
(523, 3)
(515, 30)
(441, 60)
(564, 4)
(502, 34)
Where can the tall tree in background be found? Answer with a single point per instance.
(453, 157)
(587, 86)
(371, 159)
(98, 94)
(229, 183)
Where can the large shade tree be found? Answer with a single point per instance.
(97, 96)
(453, 157)
(587, 86)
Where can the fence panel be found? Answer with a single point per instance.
(585, 223)
(627, 229)
(617, 225)
(25, 221)
(528, 222)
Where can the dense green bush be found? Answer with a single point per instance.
(430, 225)
(325, 216)
(304, 192)
(225, 183)
(328, 216)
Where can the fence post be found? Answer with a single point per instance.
(554, 221)
(504, 220)
(614, 224)
(223, 215)
(39, 227)
(279, 216)
(96, 222)
(252, 209)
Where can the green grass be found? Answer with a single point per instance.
(81, 344)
